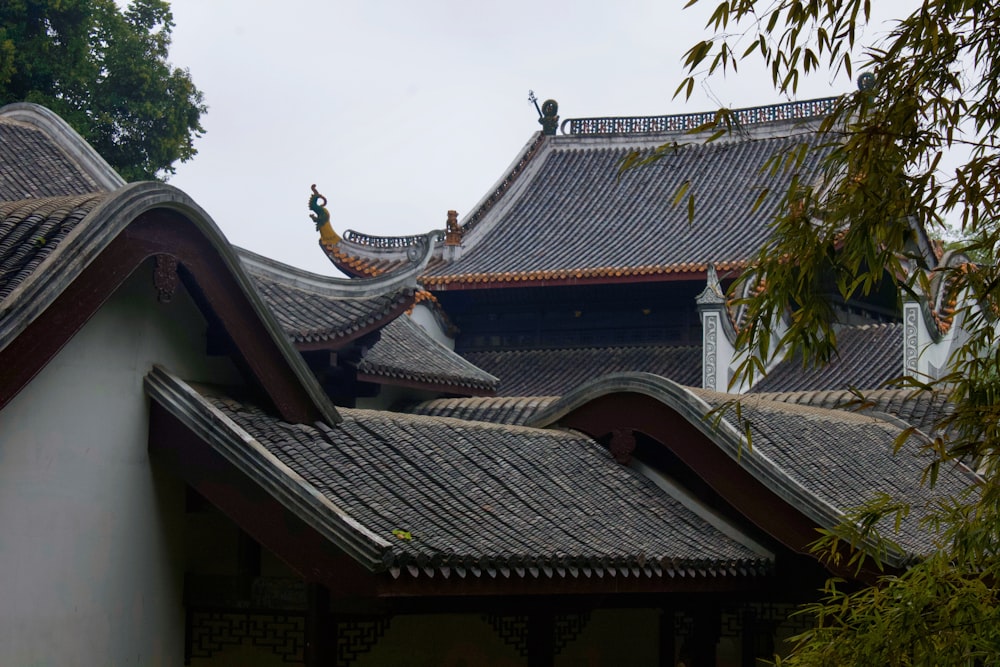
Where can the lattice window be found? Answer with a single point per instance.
(513, 630)
(212, 631)
(568, 627)
(357, 637)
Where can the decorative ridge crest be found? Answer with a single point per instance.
(403, 277)
(684, 122)
(712, 294)
(321, 216)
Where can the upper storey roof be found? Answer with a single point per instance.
(562, 211)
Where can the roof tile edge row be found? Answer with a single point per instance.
(571, 274)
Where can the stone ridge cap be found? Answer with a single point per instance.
(364, 414)
(341, 288)
(69, 141)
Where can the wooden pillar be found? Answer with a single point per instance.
(668, 646)
(541, 639)
(320, 631)
(707, 621)
(749, 636)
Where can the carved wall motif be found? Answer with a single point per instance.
(622, 445)
(710, 354)
(165, 277)
(513, 630)
(911, 322)
(212, 631)
(568, 627)
(357, 637)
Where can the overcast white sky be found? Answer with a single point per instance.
(400, 110)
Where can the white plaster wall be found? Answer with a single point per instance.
(428, 321)
(89, 531)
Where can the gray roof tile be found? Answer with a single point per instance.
(921, 409)
(556, 371)
(577, 213)
(483, 496)
(314, 317)
(563, 211)
(31, 229)
(406, 352)
(35, 166)
(845, 458)
(867, 357)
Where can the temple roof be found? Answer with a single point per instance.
(406, 354)
(563, 211)
(553, 372)
(868, 356)
(823, 462)
(86, 245)
(435, 496)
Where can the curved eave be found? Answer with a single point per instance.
(363, 256)
(340, 288)
(363, 262)
(330, 340)
(402, 283)
(137, 222)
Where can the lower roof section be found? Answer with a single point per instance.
(432, 497)
(516, 410)
(406, 354)
(554, 372)
(868, 357)
(816, 463)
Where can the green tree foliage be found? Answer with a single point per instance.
(105, 71)
(936, 76)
